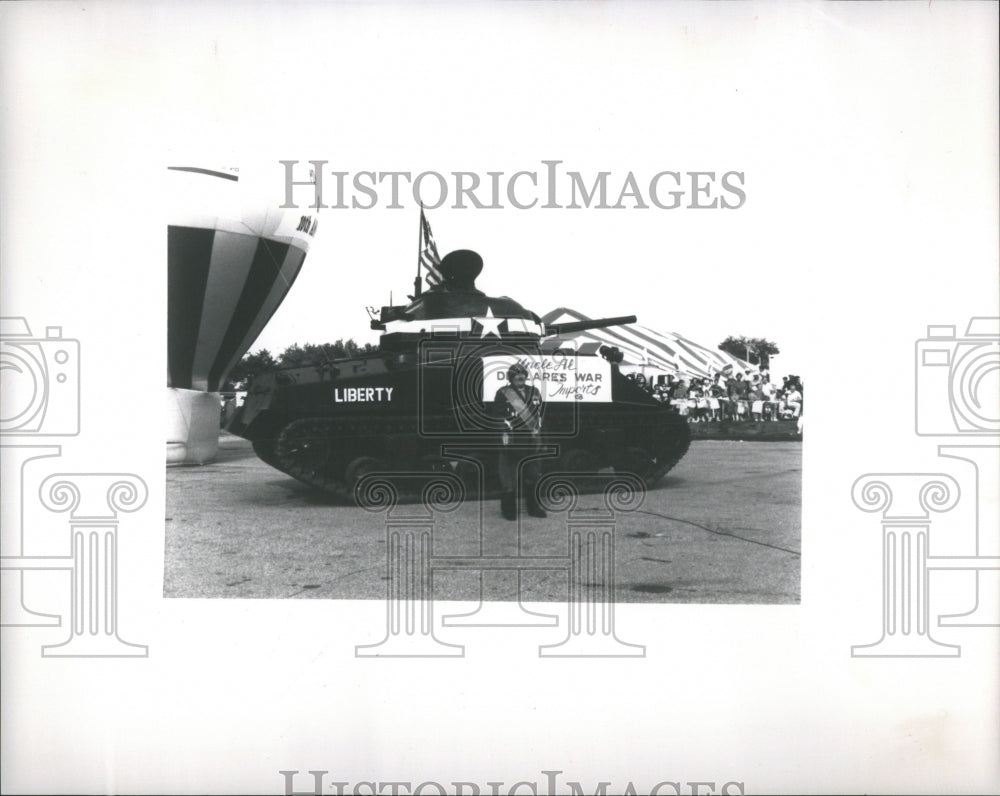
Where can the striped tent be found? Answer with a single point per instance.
(645, 348)
(231, 259)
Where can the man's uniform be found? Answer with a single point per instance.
(520, 407)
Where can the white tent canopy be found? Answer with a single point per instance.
(647, 350)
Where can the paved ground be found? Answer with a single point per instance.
(722, 527)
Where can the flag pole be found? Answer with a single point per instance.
(420, 240)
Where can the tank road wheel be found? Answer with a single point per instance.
(360, 467)
(303, 450)
(466, 471)
(574, 460)
(265, 452)
(637, 461)
(671, 445)
(577, 460)
(435, 464)
(473, 478)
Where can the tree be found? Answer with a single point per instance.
(755, 350)
(251, 364)
(308, 355)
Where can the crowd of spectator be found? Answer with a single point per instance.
(727, 396)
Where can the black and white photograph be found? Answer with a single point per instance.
(483, 412)
(410, 398)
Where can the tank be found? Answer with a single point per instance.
(423, 402)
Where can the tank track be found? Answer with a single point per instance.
(332, 454)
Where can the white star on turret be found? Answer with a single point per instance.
(490, 324)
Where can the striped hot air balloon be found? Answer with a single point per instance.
(232, 256)
(231, 259)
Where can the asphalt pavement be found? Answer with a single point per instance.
(724, 526)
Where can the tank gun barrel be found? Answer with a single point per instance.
(582, 326)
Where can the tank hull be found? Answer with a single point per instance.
(431, 410)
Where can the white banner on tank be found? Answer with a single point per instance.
(452, 325)
(560, 377)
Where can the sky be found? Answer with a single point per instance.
(623, 90)
(858, 153)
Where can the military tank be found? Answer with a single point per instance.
(424, 401)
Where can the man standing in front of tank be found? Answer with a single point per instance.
(519, 405)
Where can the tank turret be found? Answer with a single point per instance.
(456, 307)
(428, 390)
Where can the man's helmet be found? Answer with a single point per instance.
(517, 367)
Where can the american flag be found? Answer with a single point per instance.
(429, 257)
